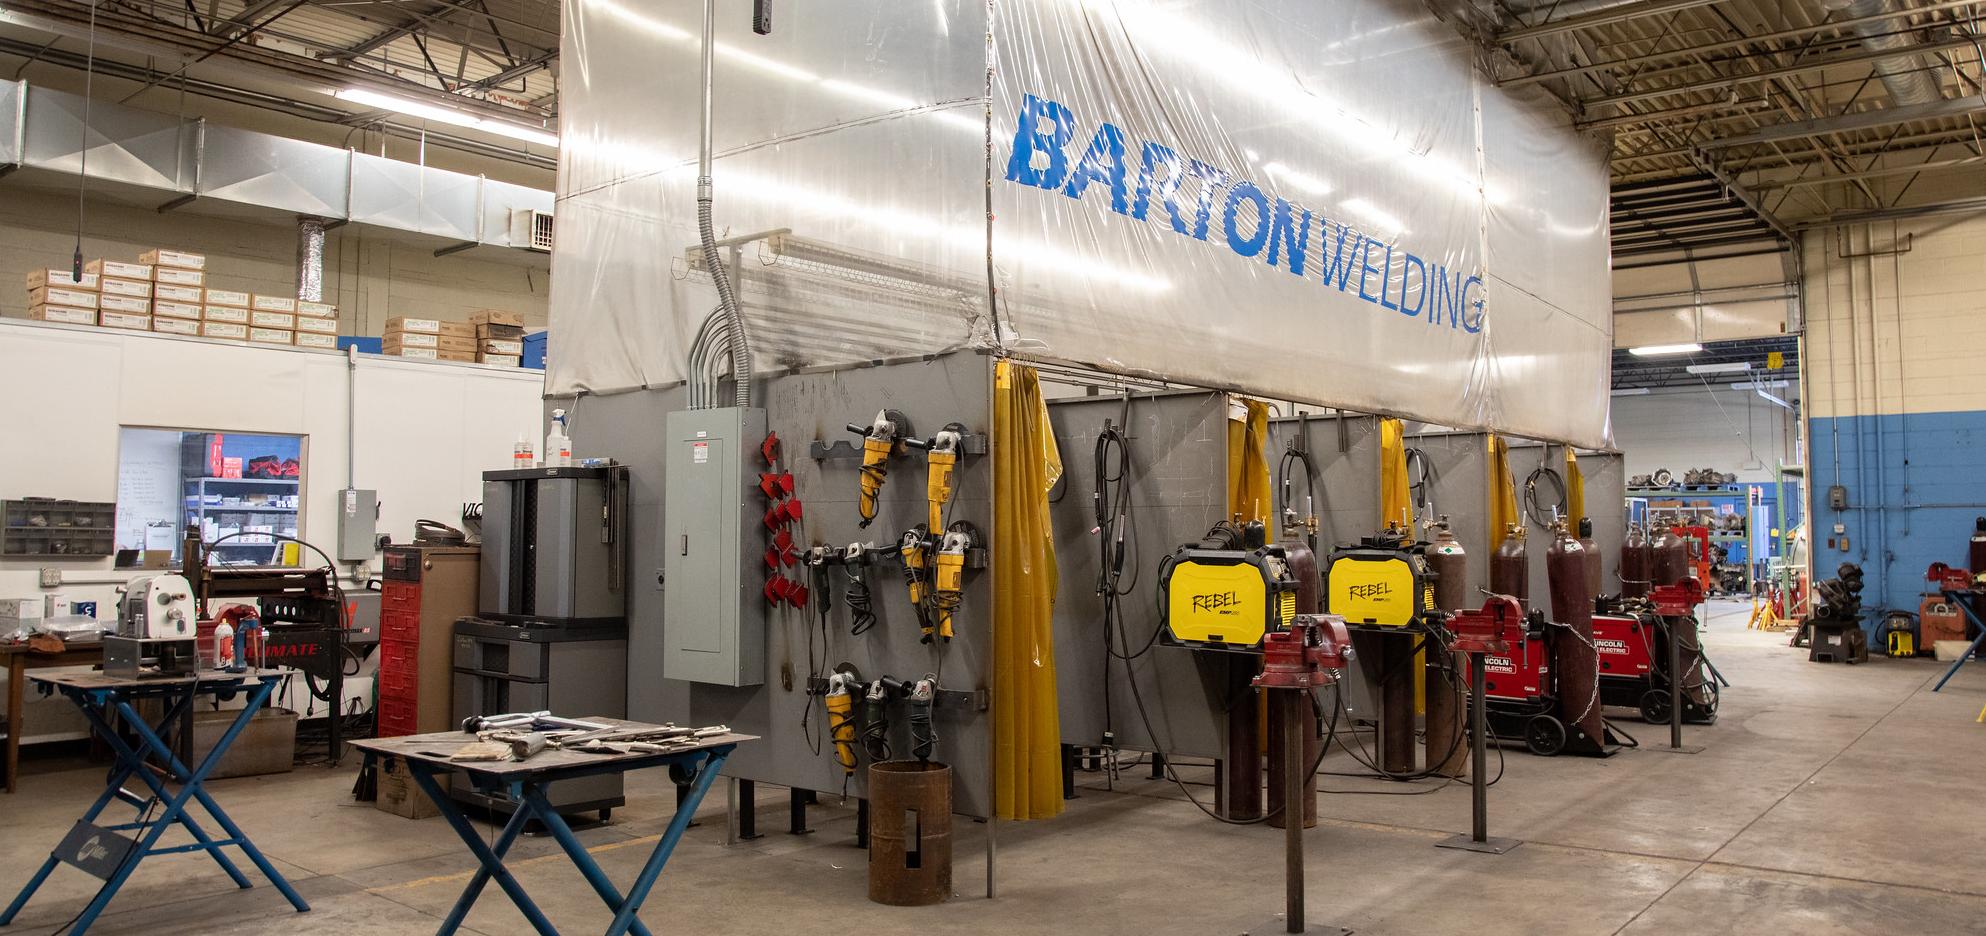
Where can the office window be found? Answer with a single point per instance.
(239, 490)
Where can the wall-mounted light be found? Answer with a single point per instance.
(447, 115)
(1658, 349)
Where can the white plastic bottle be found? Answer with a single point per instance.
(521, 455)
(558, 445)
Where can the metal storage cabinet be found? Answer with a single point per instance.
(426, 589)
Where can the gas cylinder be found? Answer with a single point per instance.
(1574, 656)
(1977, 551)
(1669, 558)
(1637, 563)
(1510, 567)
(1450, 564)
(1594, 586)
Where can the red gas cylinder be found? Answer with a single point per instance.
(1594, 587)
(1637, 563)
(1572, 608)
(1510, 567)
(1670, 558)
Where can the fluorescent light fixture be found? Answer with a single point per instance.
(1657, 349)
(1775, 400)
(1761, 384)
(1733, 367)
(447, 115)
(1632, 391)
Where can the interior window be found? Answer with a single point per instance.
(239, 490)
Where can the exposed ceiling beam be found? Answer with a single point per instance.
(515, 71)
(419, 22)
(1861, 120)
(1619, 14)
(1906, 169)
(1767, 74)
(1956, 206)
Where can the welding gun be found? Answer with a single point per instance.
(879, 442)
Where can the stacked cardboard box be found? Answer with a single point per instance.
(272, 320)
(124, 293)
(407, 336)
(54, 295)
(499, 337)
(224, 314)
(317, 325)
(177, 295)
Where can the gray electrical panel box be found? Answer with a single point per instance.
(713, 624)
(358, 524)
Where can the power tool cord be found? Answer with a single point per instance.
(861, 610)
(1420, 487)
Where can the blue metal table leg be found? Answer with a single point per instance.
(534, 797)
(196, 784)
(118, 775)
(713, 762)
(1964, 606)
(491, 859)
(130, 756)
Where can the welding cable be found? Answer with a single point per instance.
(1455, 743)
(1552, 511)
(1294, 457)
(1420, 482)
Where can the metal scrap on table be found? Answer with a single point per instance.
(523, 735)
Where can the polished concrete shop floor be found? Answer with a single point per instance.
(1828, 799)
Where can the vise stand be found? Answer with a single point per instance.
(1482, 633)
(1296, 662)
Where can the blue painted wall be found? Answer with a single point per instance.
(1915, 482)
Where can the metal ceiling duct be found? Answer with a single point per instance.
(1907, 76)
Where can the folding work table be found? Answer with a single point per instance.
(104, 850)
(524, 782)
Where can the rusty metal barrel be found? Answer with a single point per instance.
(910, 833)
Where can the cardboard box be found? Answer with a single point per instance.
(178, 276)
(319, 309)
(402, 323)
(281, 336)
(171, 293)
(54, 277)
(262, 303)
(315, 325)
(178, 310)
(400, 795)
(175, 326)
(428, 354)
(117, 286)
(513, 332)
(174, 258)
(452, 343)
(67, 315)
(213, 329)
(225, 297)
(125, 320)
(214, 313)
(500, 347)
(17, 611)
(394, 339)
(496, 317)
(306, 339)
(460, 357)
(230, 468)
(57, 295)
(119, 268)
(129, 305)
(282, 320)
(458, 329)
(501, 360)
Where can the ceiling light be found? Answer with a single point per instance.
(1631, 391)
(1733, 367)
(447, 115)
(1655, 349)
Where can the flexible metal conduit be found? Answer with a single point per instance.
(1906, 75)
(727, 300)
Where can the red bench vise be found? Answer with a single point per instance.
(1678, 600)
(1303, 656)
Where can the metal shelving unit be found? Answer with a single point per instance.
(197, 511)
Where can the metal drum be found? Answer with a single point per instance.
(910, 833)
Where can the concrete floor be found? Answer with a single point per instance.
(1829, 799)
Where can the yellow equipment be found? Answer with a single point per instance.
(879, 442)
(841, 718)
(1382, 582)
(1902, 644)
(942, 452)
(948, 581)
(1227, 591)
(915, 552)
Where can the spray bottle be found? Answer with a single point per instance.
(521, 455)
(558, 445)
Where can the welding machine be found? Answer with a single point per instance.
(1518, 698)
(1382, 582)
(1227, 591)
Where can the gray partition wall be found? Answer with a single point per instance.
(794, 749)
(1606, 505)
(1458, 486)
(1345, 452)
(1176, 488)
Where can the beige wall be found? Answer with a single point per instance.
(367, 274)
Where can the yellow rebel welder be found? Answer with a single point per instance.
(1227, 591)
(1384, 581)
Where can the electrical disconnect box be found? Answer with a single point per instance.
(358, 524)
(713, 622)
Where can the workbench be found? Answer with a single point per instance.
(105, 851)
(20, 660)
(426, 757)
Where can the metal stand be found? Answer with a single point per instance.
(1964, 603)
(797, 800)
(1294, 768)
(1478, 839)
(861, 823)
(1068, 771)
(102, 850)
(748, 811)
(683, 795)
(1676, 745)
(1158, 766)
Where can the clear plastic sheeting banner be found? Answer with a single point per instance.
(1320, 202)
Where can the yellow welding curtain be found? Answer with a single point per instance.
(1248, 461)
(1502, 491)
(1394, 503)
(1027, 730)
(1575, 492)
